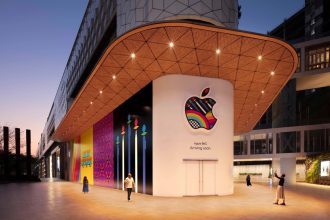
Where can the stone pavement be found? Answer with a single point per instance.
(64, 200)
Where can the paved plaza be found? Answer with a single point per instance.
(64, 200)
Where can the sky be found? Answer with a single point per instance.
(36, 37)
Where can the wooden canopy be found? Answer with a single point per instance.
(257, 65)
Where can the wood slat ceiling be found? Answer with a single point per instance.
(257, 80)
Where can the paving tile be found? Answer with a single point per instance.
(64, 200)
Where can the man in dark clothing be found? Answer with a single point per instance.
(280, 189)
(248, 180)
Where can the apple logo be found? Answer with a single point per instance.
(199, 111)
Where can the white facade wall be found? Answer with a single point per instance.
(258, 173)
(174, 140)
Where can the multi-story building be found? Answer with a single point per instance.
(138, 91)
(298, 122)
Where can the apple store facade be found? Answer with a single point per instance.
(164, 102)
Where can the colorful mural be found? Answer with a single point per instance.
(118, 144)
(86, 160)
(75, 160)
(104, 152)
(133, 146)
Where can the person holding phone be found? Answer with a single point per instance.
(280, 190)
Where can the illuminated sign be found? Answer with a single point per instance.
(199, 111)
(325, 168)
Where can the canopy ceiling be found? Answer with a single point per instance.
(258, 66)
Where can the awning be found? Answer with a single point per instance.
(257, 65)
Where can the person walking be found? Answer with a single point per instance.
(248, 180)
(129, 184)
(85, 185)
(280, 189)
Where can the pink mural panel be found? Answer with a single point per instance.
(104, 152)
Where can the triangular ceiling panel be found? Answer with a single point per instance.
(201, 36)
(186, 40)
(237, 62)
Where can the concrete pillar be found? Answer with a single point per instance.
(288, 167)
(18, 151)
(276, 165)
(6, 150)
(274, 134)
(28, 152)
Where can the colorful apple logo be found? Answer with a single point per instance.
(199, 111)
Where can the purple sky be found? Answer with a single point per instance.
(36, 38)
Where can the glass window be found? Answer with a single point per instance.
(261, 143)
(240, 145)
(317, 140)
(299, 61)
(288, 142)
(317, 57)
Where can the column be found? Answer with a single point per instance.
(18, 151)
(274, 143)
(6, 149)
(288, 167)
(28, 152)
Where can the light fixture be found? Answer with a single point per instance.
(132, 55)
(101, 91)
(256, 105)
(91, 103)
(113, 76)
(262, 91)
(217, 51)
(259, 57)
(171, 44)
(272, 73)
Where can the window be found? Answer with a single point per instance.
(313, 31)
(317, 140)
(240, 145)
(261, 143)
(299, 62)
(318, 58)
(288, 142)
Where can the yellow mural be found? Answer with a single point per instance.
(86, 156)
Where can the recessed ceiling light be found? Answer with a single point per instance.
(217, 51)
(256, 105)
(101, 91)
(262, 91)
(132, 55)
(91, 103)
(272, 73)
(171, 44)
(113, 76)
(259, 57)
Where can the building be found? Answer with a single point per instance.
(138, 92)
(297, 125)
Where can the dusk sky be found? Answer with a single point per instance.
(36, 37)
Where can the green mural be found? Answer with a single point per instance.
(313, 169)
